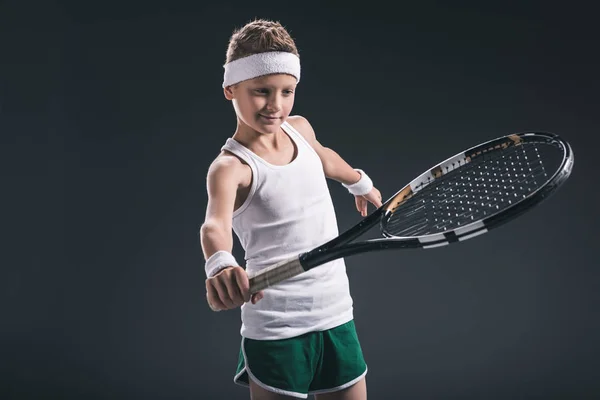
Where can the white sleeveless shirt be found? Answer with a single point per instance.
(289, 211)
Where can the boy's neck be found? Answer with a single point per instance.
(264, 141)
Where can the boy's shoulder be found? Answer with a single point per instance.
(227, 163)
(302, 125)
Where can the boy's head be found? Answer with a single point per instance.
(259, 36)
(261, 72)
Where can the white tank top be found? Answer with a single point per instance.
(289, 211)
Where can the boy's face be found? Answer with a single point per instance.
(263, 103)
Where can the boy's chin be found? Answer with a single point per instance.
(268, 129)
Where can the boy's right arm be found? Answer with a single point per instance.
(228, 288)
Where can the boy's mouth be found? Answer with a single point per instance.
(267, 117)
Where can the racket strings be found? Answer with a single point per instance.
(480, 188)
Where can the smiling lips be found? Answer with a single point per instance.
(269, 120)
(267, 117)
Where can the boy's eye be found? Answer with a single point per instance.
(286, 92)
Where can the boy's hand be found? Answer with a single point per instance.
(373, 197)
(230, 288)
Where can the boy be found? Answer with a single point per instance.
(269, 186)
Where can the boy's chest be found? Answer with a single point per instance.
(291, 190)
(282, 157)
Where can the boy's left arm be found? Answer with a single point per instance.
(334, 166)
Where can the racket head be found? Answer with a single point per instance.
(478, 189)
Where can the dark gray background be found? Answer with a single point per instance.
(112, 111)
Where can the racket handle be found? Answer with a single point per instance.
(275, 274)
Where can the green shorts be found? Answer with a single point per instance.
(316, 362)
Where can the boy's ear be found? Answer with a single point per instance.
(228, 92)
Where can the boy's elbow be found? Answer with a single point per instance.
(209, 228)
(330, 170)
(214, 236)
(215, 230)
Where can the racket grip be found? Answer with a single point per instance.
(275, 274)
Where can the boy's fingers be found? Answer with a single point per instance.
(374, 198)
(233, 292)
(257, 296)
(241, 277)
(216, 305)
(361, 205)
(212, 298)
(223, 294)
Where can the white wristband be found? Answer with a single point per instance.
(218, 261)
(362, 187)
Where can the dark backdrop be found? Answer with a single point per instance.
(112, 111)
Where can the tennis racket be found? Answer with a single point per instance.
(460, 198)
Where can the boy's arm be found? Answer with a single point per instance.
(334, 166)
(221, 185)
(228, 287)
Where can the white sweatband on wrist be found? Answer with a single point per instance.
(218, 261)
(362, 187)
(272, 62)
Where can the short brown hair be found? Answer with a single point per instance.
(259, 36)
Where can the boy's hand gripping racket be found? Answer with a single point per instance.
(458, 199)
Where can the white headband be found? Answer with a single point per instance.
(274, 62)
